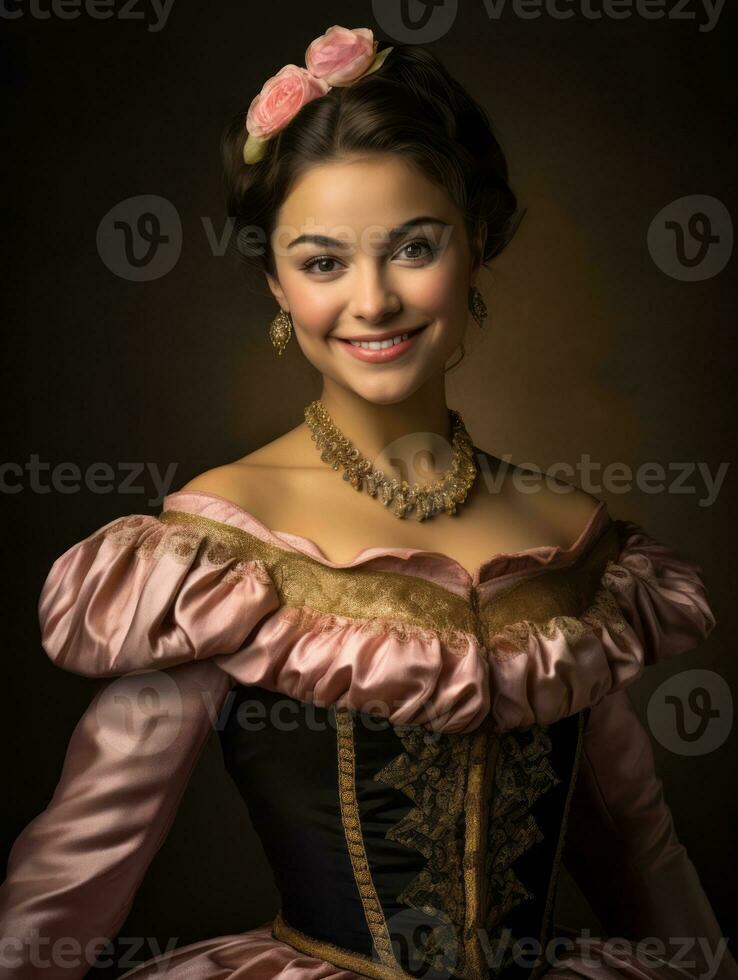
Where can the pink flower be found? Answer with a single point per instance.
(337, 58)
(341, 55)
(281, 98)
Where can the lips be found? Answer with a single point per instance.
(382, 355)
(387, 335)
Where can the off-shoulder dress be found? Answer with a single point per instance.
(419, 748)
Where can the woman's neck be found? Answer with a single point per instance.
(411, 438)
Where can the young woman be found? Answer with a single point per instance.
(421, 685)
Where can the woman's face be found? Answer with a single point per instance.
(347, 270)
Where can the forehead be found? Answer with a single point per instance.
(364, 191)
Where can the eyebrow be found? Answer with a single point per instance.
(326, 242)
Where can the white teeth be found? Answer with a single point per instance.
(379, 344)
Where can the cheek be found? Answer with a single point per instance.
(314, 309)
(442, 292)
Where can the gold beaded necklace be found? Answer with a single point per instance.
(426, 499)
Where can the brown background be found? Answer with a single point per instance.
(589, 348)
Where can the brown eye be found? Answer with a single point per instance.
(418, 243)
(319, 259)
(320, 262)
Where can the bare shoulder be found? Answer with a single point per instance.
(554, 507)
(229, 481)
(254, 479)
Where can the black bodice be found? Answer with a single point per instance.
(398, 851)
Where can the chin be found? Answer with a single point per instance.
(387, 391)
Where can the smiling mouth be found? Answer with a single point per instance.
(382, 344)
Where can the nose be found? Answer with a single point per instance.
(373, 296)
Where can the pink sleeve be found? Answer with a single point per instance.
(144, 594)
(75, 868)
(622, 849)
(649, 605)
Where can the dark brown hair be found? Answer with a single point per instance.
(411, 106)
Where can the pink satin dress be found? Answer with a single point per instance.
(517, 669)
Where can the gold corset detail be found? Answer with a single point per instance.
(471, 819)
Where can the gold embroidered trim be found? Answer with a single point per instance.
(315, 621)
(514, 638)
(338, 956)
(553, 592)
(376, 599)
(182, 543)
(472, 794)
(409, 606)
(575, 601)
(523, 774)
(470, 841)
(432, 772)
(476, 810)
(618, 576)
(445, 777)
(350, 817)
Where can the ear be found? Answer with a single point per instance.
(277, 292)
(478, 247)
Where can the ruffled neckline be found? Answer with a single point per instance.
(219, 508)
(554, 629)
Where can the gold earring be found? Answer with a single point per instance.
(280, 330)
(477, 306)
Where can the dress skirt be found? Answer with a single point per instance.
(257, 955)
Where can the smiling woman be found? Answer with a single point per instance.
(435, 205)
(455, 683)
(363, 294)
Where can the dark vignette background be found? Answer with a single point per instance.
(589, 348)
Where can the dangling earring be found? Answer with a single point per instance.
(477, 305)
(280, 330)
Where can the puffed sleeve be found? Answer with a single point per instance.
(144, 594)
(74, 870)
(623, 851)
(661, 594)
(649, 605)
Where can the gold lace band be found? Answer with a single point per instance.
(570, 599)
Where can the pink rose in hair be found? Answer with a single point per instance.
(341, 55)
(281, 98)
